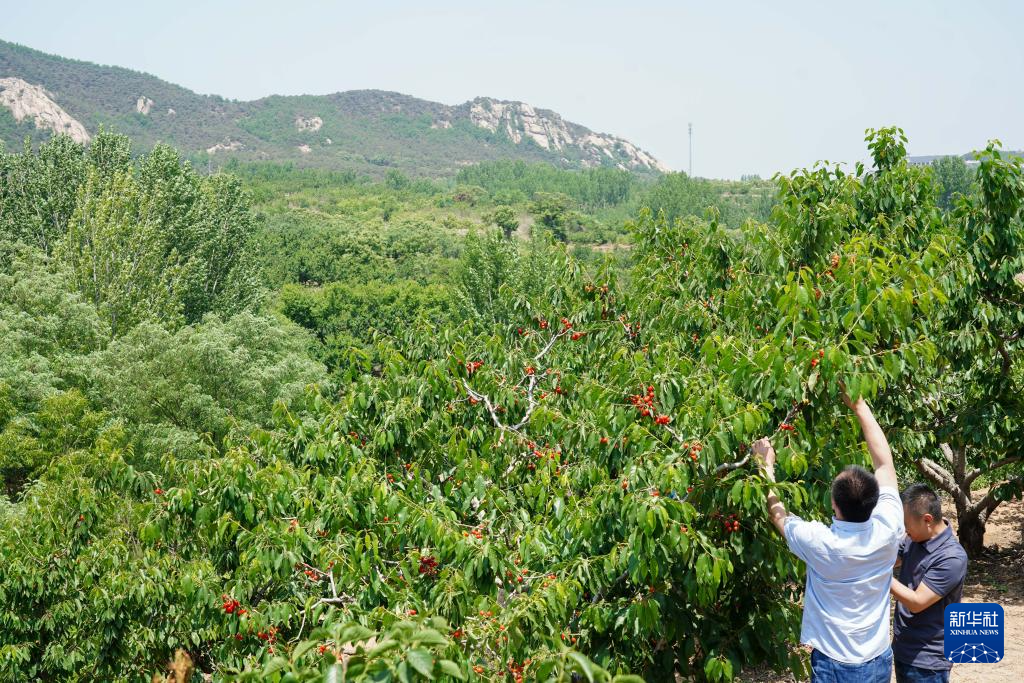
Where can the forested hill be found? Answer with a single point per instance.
(363, 130)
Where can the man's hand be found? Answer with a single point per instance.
(765, 455)
(878, 447)
(852, 405)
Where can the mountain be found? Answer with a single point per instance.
(363, 130)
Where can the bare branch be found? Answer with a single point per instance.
(1009, 337)
(947, 453)
(551, 342)
(937, 475)
(342, 600)
(531, 402)
(726, 466)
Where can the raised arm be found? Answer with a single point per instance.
(766, 458)
(878, 446)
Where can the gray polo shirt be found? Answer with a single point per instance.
(941, 564)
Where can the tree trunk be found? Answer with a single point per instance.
(971, 532)
(972, 515)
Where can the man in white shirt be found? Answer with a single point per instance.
(849, 563)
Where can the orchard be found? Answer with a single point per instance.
(560, 487)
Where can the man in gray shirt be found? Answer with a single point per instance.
(931, 577)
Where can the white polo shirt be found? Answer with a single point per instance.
(849, 570)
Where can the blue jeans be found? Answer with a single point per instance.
(827, 670)
(905, 673)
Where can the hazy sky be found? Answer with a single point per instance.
(768, 85)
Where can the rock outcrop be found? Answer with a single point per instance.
(143, 105)
(25, 100)
(520, 121)
(311, 124)
(228, 146)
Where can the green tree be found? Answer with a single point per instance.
(680, 196)
(954, 178)
(115, 252)
(970, 416)
(38, 191)
(505, 218)
(350, 316)
(45, 329)
(143, 238)
(396, 180)
(553, 211)
(188, 387)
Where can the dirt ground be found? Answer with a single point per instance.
(998, 576)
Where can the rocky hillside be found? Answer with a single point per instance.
(363, 130)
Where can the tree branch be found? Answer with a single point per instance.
(938, 476)
(978, 471)
(530, 389)
(984, 507)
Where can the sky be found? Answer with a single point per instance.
(768, 86)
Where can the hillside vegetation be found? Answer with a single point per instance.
(369, 131)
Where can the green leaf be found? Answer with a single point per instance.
(302, 648)
(585, 665)
(276, 664)
(429, 636)
(450, 668)
(422, 661)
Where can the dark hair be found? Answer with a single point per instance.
(855, 491)
(922, 500)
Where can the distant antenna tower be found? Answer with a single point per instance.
(691, 150)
